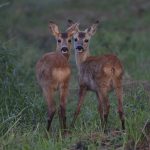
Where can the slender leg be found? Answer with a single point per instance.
(62, 110)
(104, 93)
(103, 105)
(100, 106)
(106, 109)
(119, 94)
(50, 117)
(51, 105)
(82, 92)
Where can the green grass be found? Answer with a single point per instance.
(24, 37)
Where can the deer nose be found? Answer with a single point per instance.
(64, 49)
(79, 47)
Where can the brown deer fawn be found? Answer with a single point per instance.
(100, 74)
(53, 72)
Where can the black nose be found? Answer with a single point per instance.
(64, 49)
(79, 47)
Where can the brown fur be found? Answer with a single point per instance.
(96, 69)
(51, 67)
(53, 72)
(100, 74)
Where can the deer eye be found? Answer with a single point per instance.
(75, 39)
(86, 40)
(69, 41)
(59, 41)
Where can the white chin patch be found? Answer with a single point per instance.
(80, 50)
(64, 52)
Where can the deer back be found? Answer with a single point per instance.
(52, 67)
(96, 70)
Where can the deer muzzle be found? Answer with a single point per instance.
(79, 48)
(64, 50)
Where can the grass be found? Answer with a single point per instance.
(24, 37)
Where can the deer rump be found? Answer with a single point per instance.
(100, 72)
(52, 67)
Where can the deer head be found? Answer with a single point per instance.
(63, 38)
(82, 40)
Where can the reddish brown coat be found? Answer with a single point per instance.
(53, 72)
(100, 74)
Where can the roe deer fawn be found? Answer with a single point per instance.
(53, 72)
(100, 74)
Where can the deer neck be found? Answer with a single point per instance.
(81, 57)
(66, 55)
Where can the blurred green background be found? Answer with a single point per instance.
(24, 37)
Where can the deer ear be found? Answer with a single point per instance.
(92, 29)
(70, 22)
(53, 28)
(73, 29)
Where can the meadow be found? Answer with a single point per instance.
(24, 37)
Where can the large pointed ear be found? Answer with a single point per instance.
(92, 29)
(53, 28)
(73, 29)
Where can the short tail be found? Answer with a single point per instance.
(113, 71)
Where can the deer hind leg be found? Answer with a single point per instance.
(49, 93)
(119, 93)
(82, 92)
(100, 106)
(103, 105)
(106, 103)
(62, 109)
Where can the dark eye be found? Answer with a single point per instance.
(69, 41)
(59, 41)
(86, 40)
(75, 39)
